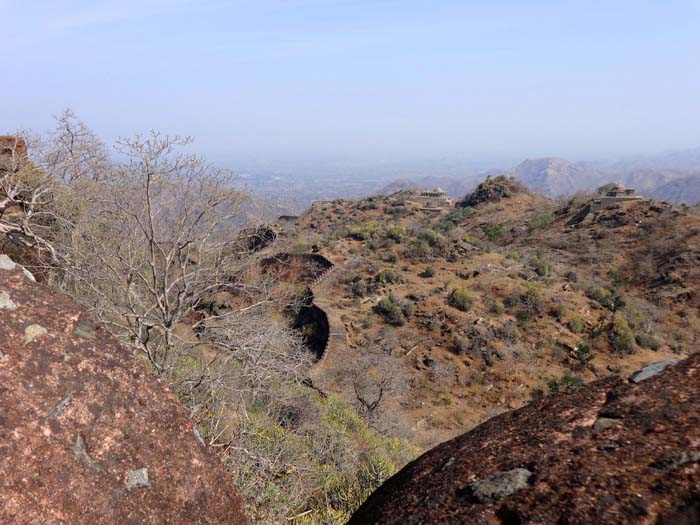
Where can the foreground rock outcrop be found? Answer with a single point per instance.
(87, 434)
(612, 452)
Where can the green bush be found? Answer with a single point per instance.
(616, 277)
(582, 356)
(622, 337)
(389, 308)
(460, 298)
(606, 298)
(370, 204)
(529, 303)
(567, 383)
(428, 272)
(461, 344)
(474, 241)
(540, 266)
(417, 249)
(523, 315)
(648, 341)
(396, 233)
(435, 243)
(387, 276)
(508, 332)
(635, 317)
(512, 300)
(493, 232)
(454, 218)
(300, 247)
(359, 287)
(540, 221)
(299, 438)
(600, 295)
(532, 299)
(497, 307)
(365, 232)
(558, 311)
(570, 383)
(576, 325)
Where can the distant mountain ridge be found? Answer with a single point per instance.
(674, 177)
(554, 177)
(684, 190)
(687, 160)
(455, 187)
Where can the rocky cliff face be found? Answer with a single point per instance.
(612, 452)
(87, 434)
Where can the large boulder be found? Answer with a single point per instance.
(89, 435)
(612, 452)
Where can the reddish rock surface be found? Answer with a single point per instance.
(612, 452)
(88, 435)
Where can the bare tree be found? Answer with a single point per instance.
(72, 152)
(265, 356)
(144, 241)
(154, 237)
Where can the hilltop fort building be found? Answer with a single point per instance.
(614, 195)
(436, 199)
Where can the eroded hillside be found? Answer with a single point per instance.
(454, 317)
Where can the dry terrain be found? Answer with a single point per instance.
(452, 318)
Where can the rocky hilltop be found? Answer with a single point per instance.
(613, 452)
(89, 436)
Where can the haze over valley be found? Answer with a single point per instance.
(672, 176)
(350, 262)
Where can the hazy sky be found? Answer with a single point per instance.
(367, 79)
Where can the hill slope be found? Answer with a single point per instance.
(612, 452)
(477, 310)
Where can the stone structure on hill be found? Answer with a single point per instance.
(299, 267)
(613, 452)
(614, 195)
(13, 153)
(89, 435)
(436, 199)
(12, 145)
